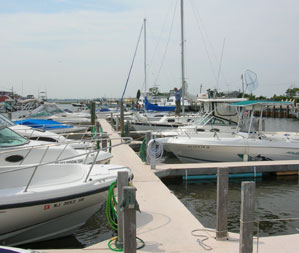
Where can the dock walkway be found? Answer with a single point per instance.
(165, 224)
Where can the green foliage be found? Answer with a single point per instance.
(291, 92)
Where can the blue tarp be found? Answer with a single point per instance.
(151, 107)
(42, 123)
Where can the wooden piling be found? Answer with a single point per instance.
(247, 217)
(92, 113)
(117, 123)
(221, 214)
(122, 181)
(148, 137)
(98, 135)
(129, 218)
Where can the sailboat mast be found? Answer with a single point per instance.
(182, 55)
(145, 73)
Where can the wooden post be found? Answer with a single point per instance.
(122, 128)
(280, 111)
(274, 114)
(129, 218)
(104, 141)
(9, 115)
(117, 123)
(288, 112)
(122, 181)
(111, 117)
(247, 217)
(98, 135)
(148, 137)
(92, 113)
(221, 215)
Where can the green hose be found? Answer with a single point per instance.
(111, 214)
(111, 204)
(142, 151)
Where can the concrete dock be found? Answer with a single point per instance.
(165, 224)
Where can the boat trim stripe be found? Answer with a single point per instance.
(53, 200)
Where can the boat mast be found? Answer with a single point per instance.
(182, 55)
(145, 77)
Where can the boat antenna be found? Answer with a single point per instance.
(132, 64)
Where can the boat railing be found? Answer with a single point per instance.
(13, 168)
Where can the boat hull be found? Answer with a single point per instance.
(45, 221)
(234, 149)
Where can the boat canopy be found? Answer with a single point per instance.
(261, 102)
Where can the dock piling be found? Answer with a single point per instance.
(221, 214)
(122, 181)
(92, 113)
(247, 217)
(98, 135)
(148, 137)
(129, 220)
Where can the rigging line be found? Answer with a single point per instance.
(220, 64)
(160, 36)
(167, 43)
(132, 64)
(197, 18)
(207, 38)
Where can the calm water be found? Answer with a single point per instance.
(276, 198)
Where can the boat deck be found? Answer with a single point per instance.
(164, 223)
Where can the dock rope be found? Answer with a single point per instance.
(204, 238)
(111, 215)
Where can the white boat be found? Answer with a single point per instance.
(51, 111)
(249, 142)
(44, 202)
(141, 123)
(46, 136)
(218, 117)
(17, 150)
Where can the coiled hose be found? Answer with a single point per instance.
(154, 151)
(111, 214)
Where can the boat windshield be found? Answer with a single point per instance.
(5, 121)
(45, 110)
(9, 138)
(215, 121)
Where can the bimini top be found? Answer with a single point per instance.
(260, 102)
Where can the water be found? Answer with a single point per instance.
(276, 198)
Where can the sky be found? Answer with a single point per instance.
(85, 48)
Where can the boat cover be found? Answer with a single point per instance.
(151, 107)
(42, 123)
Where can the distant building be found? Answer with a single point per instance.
(6, 96)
